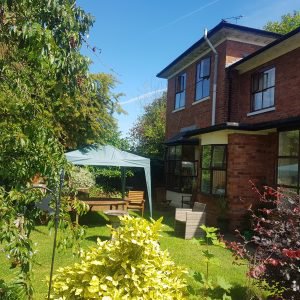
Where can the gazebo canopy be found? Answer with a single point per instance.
(106, 155)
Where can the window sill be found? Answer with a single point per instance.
(262, 111)
(201, 100)
(178, 109)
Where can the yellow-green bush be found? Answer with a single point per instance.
(129, 266)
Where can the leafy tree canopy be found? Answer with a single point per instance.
(148, 134)
(288, 23)
(49, 102)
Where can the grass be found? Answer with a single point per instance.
(186, 253)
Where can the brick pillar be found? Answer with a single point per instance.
(250, 157)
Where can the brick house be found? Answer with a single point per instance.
(233, 121)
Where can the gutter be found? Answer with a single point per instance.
(214, 98)
(277, 124)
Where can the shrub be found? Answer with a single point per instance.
(11, 291)
(129, 266)
(81, 178)
(275, 258)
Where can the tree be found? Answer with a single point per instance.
(148, 134)
(49, 102)
(288, 23)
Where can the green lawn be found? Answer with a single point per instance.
(186, 253)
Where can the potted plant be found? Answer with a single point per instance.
(223, 219)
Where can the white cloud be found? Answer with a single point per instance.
(187, 15)
(144, 96)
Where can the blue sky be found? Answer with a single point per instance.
(138, 38)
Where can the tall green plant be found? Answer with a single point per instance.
(208, 288)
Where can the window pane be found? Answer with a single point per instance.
(255, 82)
(178, 84)
(177, 100)
(188, 152)
(289, 143)
(187, 183)
(205, 181)
(198, 75)
(188, 168)
(205, 88)
(206, 156)
(270, 78)
(205, 67)
(183, 82)
(257, 101)
(178, 151)
(218, 160)
(261, 80)
(177, 170)
(287, 171)
(182, 99)
(219, 182)
(268, 97)
(172, 150)
(199, 90)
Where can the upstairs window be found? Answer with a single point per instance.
(263, 89)
(213, 169)
(180, 86)
(203, 79)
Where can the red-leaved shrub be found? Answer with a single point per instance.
(273, 251)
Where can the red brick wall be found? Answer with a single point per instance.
(200, 113)
(236, 50)
(250, 157)
(287, 91)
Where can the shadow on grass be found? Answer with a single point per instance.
(93, 238)
(167, 214)
(237, 292)
(93, 218)
(40, 231)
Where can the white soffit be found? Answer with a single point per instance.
(280, 49)
(221, 137)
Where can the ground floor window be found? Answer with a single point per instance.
(181, 168)
(213, 169)
(288, 160)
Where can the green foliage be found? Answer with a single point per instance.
(288, 23)
(148, 134)
(129, 266)
(100, 191)
(208, 289)
(48, 103)
(81, 178)
(109, 180)
(211, 236)
(11, 291)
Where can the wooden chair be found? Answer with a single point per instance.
(188, 221)
(136, 201)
